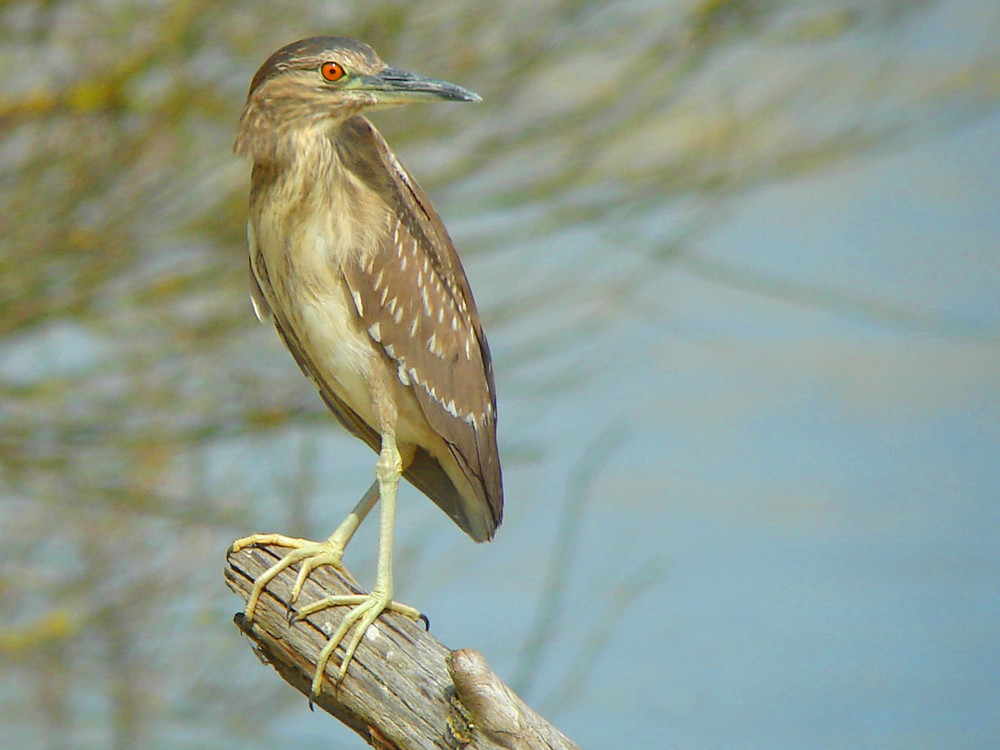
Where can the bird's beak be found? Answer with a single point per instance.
(394, 86)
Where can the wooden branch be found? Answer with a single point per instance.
(403, 689)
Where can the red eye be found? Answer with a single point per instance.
(332, 71)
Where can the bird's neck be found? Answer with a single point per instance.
(316, 199)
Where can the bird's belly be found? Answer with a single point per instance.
(344, 355)
(348, 360)
(305, 284)
(310, 292)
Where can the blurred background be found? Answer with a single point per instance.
(738, 263)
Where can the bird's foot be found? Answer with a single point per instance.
(367, 608)
(310, 554)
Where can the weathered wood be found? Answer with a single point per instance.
(403, 689)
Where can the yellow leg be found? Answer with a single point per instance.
(367, 607)
(310, 554)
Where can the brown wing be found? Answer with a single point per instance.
(414, 299)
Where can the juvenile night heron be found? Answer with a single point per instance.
(352, 264)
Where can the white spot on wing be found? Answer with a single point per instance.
(357, 302)
(425, 297)
(375, 331)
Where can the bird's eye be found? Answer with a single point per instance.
(332, 71)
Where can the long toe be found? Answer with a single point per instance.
(341, 600)
(366, 610)
(310, 554)
(277, 540)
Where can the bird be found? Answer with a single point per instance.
(354, 267)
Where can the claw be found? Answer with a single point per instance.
(366, 610)
(310, 554)
(359, 620)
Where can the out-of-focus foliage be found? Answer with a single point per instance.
(129, 365)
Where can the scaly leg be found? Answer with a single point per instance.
(367, 606)
(310, 554)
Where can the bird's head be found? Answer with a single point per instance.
(319, 82)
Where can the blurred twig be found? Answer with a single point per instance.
(545, 627)
(612, 608)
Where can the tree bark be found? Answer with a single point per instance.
(403, 689)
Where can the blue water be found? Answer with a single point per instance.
(812, 496)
